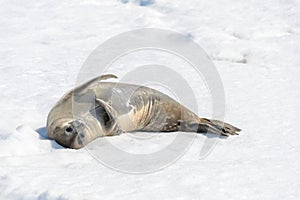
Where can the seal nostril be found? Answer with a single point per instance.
(69, 129)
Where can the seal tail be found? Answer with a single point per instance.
(217, 127)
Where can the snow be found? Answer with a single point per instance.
(255, 48)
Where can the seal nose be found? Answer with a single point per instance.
(78, 124)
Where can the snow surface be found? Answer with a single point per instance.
(255, 47)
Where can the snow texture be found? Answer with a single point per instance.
(255, 47)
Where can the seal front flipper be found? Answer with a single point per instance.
(107, 76)
(107, 116)
(93, 83)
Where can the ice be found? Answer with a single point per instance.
(253, 44)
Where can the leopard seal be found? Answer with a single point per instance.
(96, 109)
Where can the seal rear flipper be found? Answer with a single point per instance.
(201, 128)
(208, 127)
(219, 127)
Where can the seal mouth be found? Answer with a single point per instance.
(84, 133)
(80, 133)
(80, 139)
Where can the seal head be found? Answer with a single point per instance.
(71, 133)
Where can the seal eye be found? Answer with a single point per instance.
(69, 129)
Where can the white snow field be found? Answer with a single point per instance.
(255, 46)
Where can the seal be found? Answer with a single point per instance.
(96, 109)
